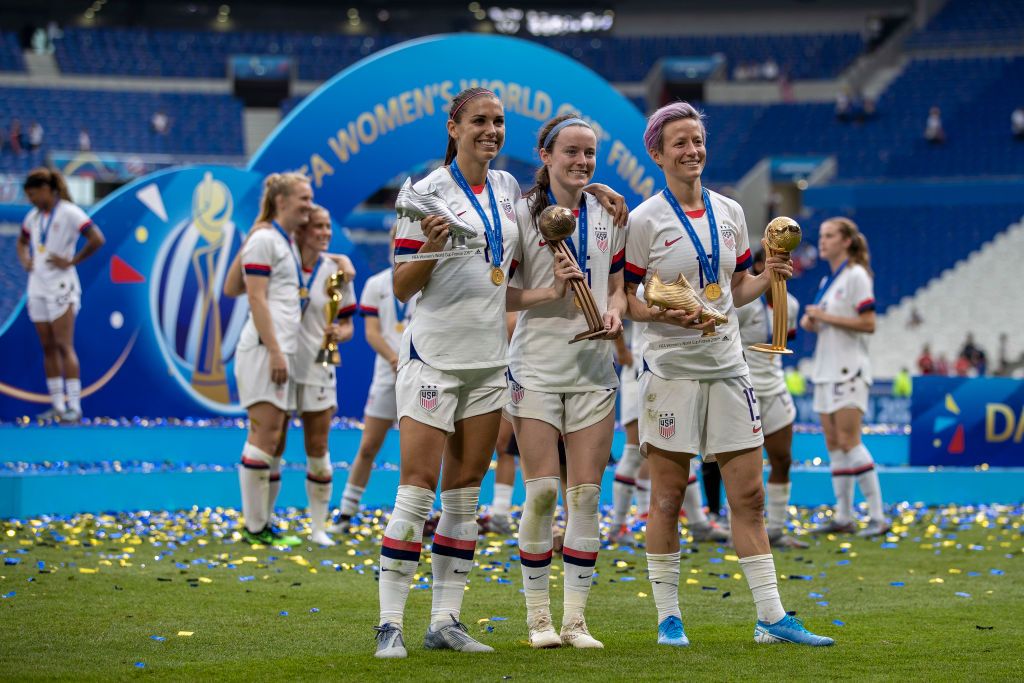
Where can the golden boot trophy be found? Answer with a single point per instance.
(556, 224)
(680, 296)
(334, 288)
(781, 236)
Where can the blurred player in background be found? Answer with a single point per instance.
(46, 250)
(843, 315)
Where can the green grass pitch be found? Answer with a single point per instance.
(171, 596)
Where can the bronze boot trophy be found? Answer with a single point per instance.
(556, 224)
(334, 288)
(781, 236)
(680, 296)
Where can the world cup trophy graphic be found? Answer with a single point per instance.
(211, 210)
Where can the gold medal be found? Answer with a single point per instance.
(497, 276)
(42, 248)
(303, 293)
(713, 291)
(399, 327)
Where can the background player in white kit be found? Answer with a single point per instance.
(777, 409)
(557, 389)
(695, 388)
(46, 250)
(843, 315)
(264, 359)
(316, 391)
(386, 318)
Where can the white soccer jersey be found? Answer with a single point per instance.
(636, 335)
(268, 253)
(55, 232)
(658, 243)
(839, 354)
(314, 321)
(460, 317)
(540, 357)
(379, 301)
(756, 325)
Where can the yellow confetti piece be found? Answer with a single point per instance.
(11, 533)
(106, 563)
(641, 595)
(846, 545)
(954, 571)
(250, 558)
(351, 552)
(86, 570)
(695, 571)
(204, 579)
(732, 558)
(692, 582)
(482, 621)
(936, 580)
(737, 576)
(367, 562)
(185, 634)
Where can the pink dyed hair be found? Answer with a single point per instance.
(655, 132)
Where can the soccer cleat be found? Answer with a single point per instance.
(70, 416)
(623, 536)
(499, 524)
(390, 644)
(575, 633)
(542, 632)
(708, 532)
(320, 537)
(788, 629)
(834, 527)
(453, 636)
(344, 525)
(416, 206)
(778, 538)
(261, 537)
(48, 415)
(670, 632)
(282, 540)
(875, 529)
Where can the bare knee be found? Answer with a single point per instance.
(847, 442)
(666, 502)
(781, 461)
(748, 499)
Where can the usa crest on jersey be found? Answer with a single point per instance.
(728, 238)
(667, 425)
(506, 206)
(429, 397)
(602, 239)
(517, 392)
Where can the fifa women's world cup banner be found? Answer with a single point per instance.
(965, 422)
(156, 336)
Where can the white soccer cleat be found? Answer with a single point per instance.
(453, 636)
(415, 206)
(709, 532)
(390, 644)
(542, 632)
(875, 529)
(778, 538)
(320, 537)
(623, 536)
(575, 634)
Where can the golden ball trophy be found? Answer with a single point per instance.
(781, 236)
(556, 224)
(680, 296)
(334, 288)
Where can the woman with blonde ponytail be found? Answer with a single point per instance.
(46, 250)
(843, 315)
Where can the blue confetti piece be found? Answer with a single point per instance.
(815, 595)
(996, 572)
(158, 639)
(40, 565)
(889, 546)
(9, 595)
(504, 581)
(140, 665)
(282, 613)
(823, 603)
(490, 629)
(627, 578)
(246, 578)
(836, 622)
(973, 574)
(962, 595)
(842, 562)
(898, 584)
(12, 560)
(181, 565)
(499, 618)
(314, 610)
(716, 560)
(326, 563)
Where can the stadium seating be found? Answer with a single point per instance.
(10, 52)
(973, 23)
(12, 277)
(203, 54)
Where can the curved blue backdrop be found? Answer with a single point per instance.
(155, 335)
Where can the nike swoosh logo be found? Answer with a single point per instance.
(534, 578)
(459, 215)
(542, 243)
(580, 576)
(757, 429)
(460, 572)
(669, 243)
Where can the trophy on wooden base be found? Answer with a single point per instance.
(781, 236)
(556, 224)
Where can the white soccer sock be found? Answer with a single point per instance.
(693, 504)
(254, 478)
(625, 482)
(643, 497)
(452, 552)
(778, 503)
(502, 503)
(400, 550)
(273, 485)
(318, 490)
(579, 551)
(867, 478)
(842, 485)
(55, 385)
(760, 573)
(663, 571)
(74, 389)
(535, 543)
(350, 498)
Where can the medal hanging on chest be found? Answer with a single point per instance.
(708, 266)
(495, 240)
(400, 314)
(44, 228)
(303, 286)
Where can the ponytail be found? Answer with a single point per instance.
(454, 113)
(542, 179)
(858, 251)
(274, 186)
(48, 177)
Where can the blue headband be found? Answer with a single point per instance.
(568, 122)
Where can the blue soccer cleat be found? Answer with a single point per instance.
(788, 629)
(670, 632)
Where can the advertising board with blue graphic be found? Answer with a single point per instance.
(155, 335)
(963, 422)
